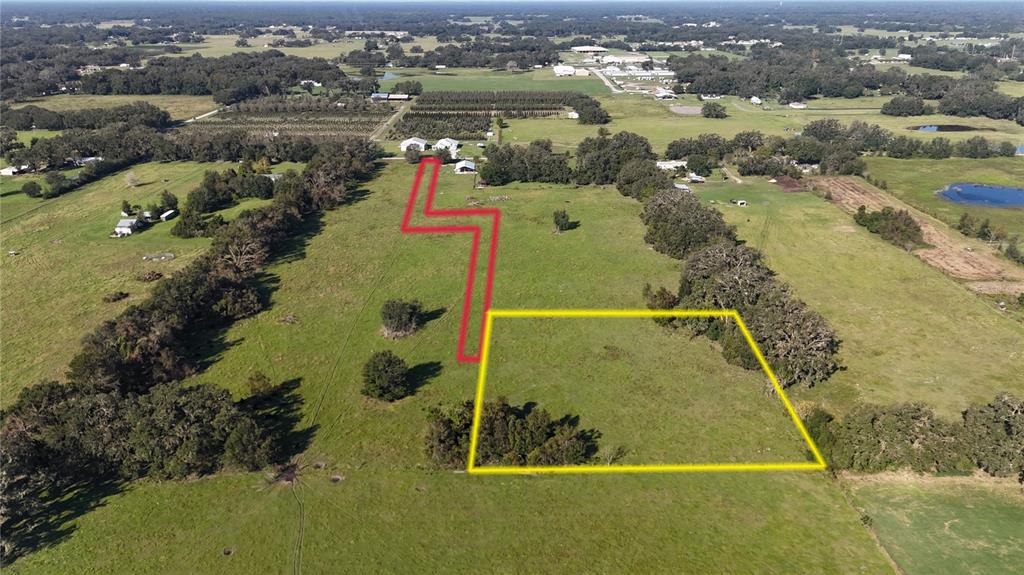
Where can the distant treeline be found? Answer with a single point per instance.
(36, 118)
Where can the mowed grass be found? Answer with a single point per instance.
(468, 79)
(918, 181)
(909, 332)
(392, 512)
(52, 290)
(661, 396)
(179, 107)
(216, 45)
(655, 121)
(946, 525)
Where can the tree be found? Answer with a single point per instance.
(386, 377)
(562, 222)
(412, 155)
(400, 318)
(258, 383)
(700, 164)
(168, 201)
(32, 189)
(126, 207)
(640, 178)
(241, 43)
(245, 447)
(906, 106)
(678, 224)
(713, 110)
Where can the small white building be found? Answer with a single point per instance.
(664, 94)
(561, 70)
(13, 170)
(694, 178)
(904, 57)
(392, 96)
(755, 100)
(126, 227)
(705, 97)
(465, 167)
(588, 49)
(798, 105)
(417, 143)
(573, 115)
(168, 215)
(671, 164)
(449, 144)
(682, 187)
(440, 67)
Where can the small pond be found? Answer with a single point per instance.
(948, 128)
(984, 195)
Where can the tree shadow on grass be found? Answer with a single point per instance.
(278, 412)
(51, 517)
(429, 316)
(421, 374)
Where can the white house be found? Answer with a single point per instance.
(465, 167)
(169, 214)
(126, 227)
(798, 105)
(393, 96)
(588, 49)
(755, 100)
(418, 143)
(564, 70)
(447, 144)
(671, 164)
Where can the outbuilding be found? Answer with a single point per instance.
(589, 49)
(449, 144)
(755, 100)
(126, 227)
(465, 167)
(415, 143)
(564, 70)
(168, 215)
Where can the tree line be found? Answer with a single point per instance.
(124, 411)
(36, 118)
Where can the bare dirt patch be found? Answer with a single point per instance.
(956, 256)
(789, 184)
(686, 110)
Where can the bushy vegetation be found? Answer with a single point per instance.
(400, 318)
(36, 118)
(509, 435)
(536, 162)
(874, 438)
(678, 224)
(895, 226)
(906, 106)
(386, 377)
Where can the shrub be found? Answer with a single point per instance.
(562, 222)
(115, 296)
(713, 110)
(385, 377)
(895, 226)
(400, 318)
(32, 189)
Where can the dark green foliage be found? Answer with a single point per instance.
(509, 435)
(385, 377)
(135, 114)
(713, 110)
(246, 447)
(534, 163)
(600, 159)
(400, 318)
(993, 435)
(906, 106)
(32, 189)
(895, 226)
(700, 164)
(639, 179)
(412, 155)
(710, 145)
(562, 222)
(661, 299)
(678, 224)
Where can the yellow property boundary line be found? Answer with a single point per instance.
(817, 465)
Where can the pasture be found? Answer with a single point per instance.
(215, 45)
(426, 520)
(179, 107)
(469, 79)
(945, 524)
(901, 321)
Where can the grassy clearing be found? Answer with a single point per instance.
(950, 525)
(179, 107)
(486, 79)
(65, 240)
(917, 181)
(655, 121)
(431, 521)
(902, 322)
(216, 45)
(617, 374)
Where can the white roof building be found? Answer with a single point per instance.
(564, 70)
(797, 105)
(418, 143)
(588, 49)
(126, 227)
(694, 178)
(664, 94)
(671, 164)
(465, 167)
(168, 215)
(573, 115)
(755, 100)
(447, 144)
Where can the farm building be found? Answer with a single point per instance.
(393, 96)
(573, 115)
(694, 178)
(168, 215)
(126, 227)
(449, 144)
(798, 105)
(755, 100)
(418, 143)
(682, 187)
(705, 97)
(588, 49)
(664, 94)
(671, 164)
(379, 96)
(564, 70)
(13, 170)
(465, 167)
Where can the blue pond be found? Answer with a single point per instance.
(982, 195)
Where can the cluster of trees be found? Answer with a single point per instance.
(458, 125)
(124, 411)
(482, 52)
(895, 226)
(906, 106)
(58, 184)
(509, 435)
(721, 273)
(135, 114)
(536, 162)
(514, 104)
(216, 192)
(228, 79)
(411, 87)
(980, 98)
(875, 438)
(983, 230)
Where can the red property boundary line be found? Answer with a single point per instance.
(430, 212)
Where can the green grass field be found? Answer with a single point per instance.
(65, 240)
(392, 513)
(216, 45)
(917, 181)
(179, 107)
(487, 79)
(904, 325)
(946, 525)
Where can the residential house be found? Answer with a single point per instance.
(417, 143)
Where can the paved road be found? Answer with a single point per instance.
(611, 85)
